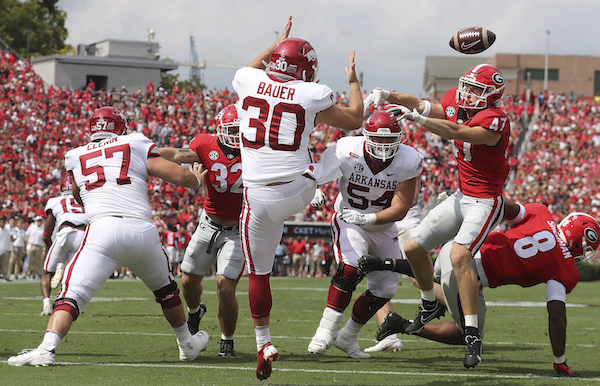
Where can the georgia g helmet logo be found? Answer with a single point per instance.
(591, 235)
(498, 79)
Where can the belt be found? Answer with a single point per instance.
(219, 226)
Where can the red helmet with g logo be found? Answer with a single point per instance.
(481, 87)
(580, 232)
(293, 59)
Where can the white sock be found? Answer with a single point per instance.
(51, 340)
(351, 329)
(428, 295)
(471, 321)
(182, 333)
(226, 337)
(263, 335)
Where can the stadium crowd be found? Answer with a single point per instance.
(557, 163)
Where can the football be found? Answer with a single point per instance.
(472, 40)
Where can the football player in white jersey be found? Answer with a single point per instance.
(279, 105)
(109, 180)
(379, 185)
(69, 220)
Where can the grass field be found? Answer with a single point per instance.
(122, 339)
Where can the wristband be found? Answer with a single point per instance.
(46, 234)
(199, 183)
(427, 108)
(370, 218)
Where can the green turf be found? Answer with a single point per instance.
(122, 339)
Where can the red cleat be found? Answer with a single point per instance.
(563, 370)
(267, 354)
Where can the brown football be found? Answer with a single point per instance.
(472, 40)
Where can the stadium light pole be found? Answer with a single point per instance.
(546, 62)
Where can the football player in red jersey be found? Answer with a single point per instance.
(280, 104)
(479, 132)
(533, 251)
(217, 237)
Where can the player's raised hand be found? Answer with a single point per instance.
(286, 31)
(198, 170)
(351, 69)
(375, 97)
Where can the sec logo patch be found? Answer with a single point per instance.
(213, 155)
(450, 111)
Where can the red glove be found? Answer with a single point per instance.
(563, 370)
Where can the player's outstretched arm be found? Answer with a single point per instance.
(176, 174)
(351, 117)
(179, 155)
(266, 55)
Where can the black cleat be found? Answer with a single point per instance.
(474, 347)
(194, 319)
(226, 349)
(427, 312)
(392, 324)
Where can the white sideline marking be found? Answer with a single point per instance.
(327, 371)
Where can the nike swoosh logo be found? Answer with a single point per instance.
(470, 45)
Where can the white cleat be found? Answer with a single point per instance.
(189, 351)
(351, 348)
(390, 343)
(318, 346)
(33, 357)
(55, 281)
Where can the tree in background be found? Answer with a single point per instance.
(168, 80)
(34, 27)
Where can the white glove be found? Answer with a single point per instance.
(406, 113)
(375, 97)
(318, 199)
(351, 216)
(442, 196)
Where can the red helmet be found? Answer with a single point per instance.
(481, 87)
(228, 127)
(106, 122)
(383, 136)
(293, 59)
(66, 185)
(580, 232)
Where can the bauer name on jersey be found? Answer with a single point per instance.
(118, 188)
(367, 192)
(276, 120)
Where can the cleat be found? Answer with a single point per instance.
(427, 312)
(474, 347)
(194, 319)
(392, 324)
(57, 277)
(33, 357)
(267, 354)
(226, 349)
(389, 343)
(318, 346)
(562, 370)
(350, 347)
(46, 311)
(189, 351)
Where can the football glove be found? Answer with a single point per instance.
(406, 113)
(369, 263)
(351, 216)
(375, 97)
(564, 371)
(318, 199)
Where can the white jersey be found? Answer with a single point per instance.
(367, 192)
(65, 208)
(111, 176)
(276, 120)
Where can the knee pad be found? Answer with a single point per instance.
(69, 305)
(366, 306)
(345, 278)
(168, 296)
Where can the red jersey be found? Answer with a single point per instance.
(482, 169)
(224, 178)
(529, 253)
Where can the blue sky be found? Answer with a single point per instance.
(392, 38)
